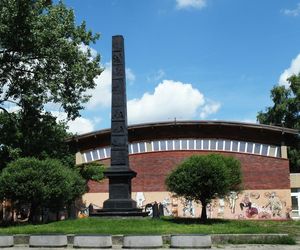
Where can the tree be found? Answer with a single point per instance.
(285, 112)
(43, 139)
(40, 183)
(44, 58)
(204, 177)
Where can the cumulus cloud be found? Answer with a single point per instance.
(130, 76)
(170, 99)
(101, 94)
(190, 4)
(209, 108)
(79, 126)
(294, 69)
(84, 48)
(292, 12)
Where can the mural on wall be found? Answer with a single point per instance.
(269, 206)
(166, 204)
(274, 204)
(140, 198)
(232, 201)
(248, 204)
(188, 208)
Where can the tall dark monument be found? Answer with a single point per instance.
(119, 173)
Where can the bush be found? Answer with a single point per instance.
(204, 177)
(40, 183)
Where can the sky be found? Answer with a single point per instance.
(191, 59)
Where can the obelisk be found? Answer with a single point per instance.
(119, 173)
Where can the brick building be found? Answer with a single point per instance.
(155, 149)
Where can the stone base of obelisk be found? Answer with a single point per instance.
(119, 203)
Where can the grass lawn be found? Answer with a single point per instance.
(156, 226)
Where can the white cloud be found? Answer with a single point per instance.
(294, 69)
(79, 126)
(130, 76)
(249, 120)
(84, 48)
(190, 4)
(101, 94)
(170, 100)
(156, 76)
(209, 108)
(292, 12)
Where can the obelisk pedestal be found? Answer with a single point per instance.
(119, 173)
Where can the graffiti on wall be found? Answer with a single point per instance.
(244, 205)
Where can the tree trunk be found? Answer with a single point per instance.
(203, 217)
(33, 213)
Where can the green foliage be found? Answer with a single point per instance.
(285, 112)
(45, 138)
(92, 171)
(41, 183)
(205, 177)
(41, 57)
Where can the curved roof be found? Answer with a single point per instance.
(192, 129)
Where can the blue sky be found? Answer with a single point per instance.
(192, 59)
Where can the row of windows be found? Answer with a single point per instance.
(189, 144)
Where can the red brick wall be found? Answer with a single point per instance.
(259, 172)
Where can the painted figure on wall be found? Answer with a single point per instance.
(274, 204)
(232, 201)
(221, 208)
(140, 198)
(246, 202)
(188, 207)
(165, 203)
(174, 206)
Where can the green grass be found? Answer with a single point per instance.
(283, 240)
(156, 226)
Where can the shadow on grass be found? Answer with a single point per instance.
(188, 221)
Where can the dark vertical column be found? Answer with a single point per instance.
(119, 173)
(119, 132)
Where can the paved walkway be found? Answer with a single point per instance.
(235, 247)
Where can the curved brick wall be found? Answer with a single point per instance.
(259, 172)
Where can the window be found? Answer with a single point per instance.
(242, 146)
(235, 145)
(278, 153)
(198, 144)
(149, 146)
(264, 150)
(272, 151)
(205, 144)
(184, 144)
(213, 144)
(88, 156)
(95, 155)
(135, 148)
(191, 144)
(142, 147)
(107, 152)
(227, 145)
(257, 148)
(163, 145)
(129, 149)
(170, 144)
(220, 144)
(155, 146)
(177, 144)
(249, 147)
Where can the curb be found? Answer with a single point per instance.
(24, 239)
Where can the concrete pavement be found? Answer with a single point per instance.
(227, 246)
